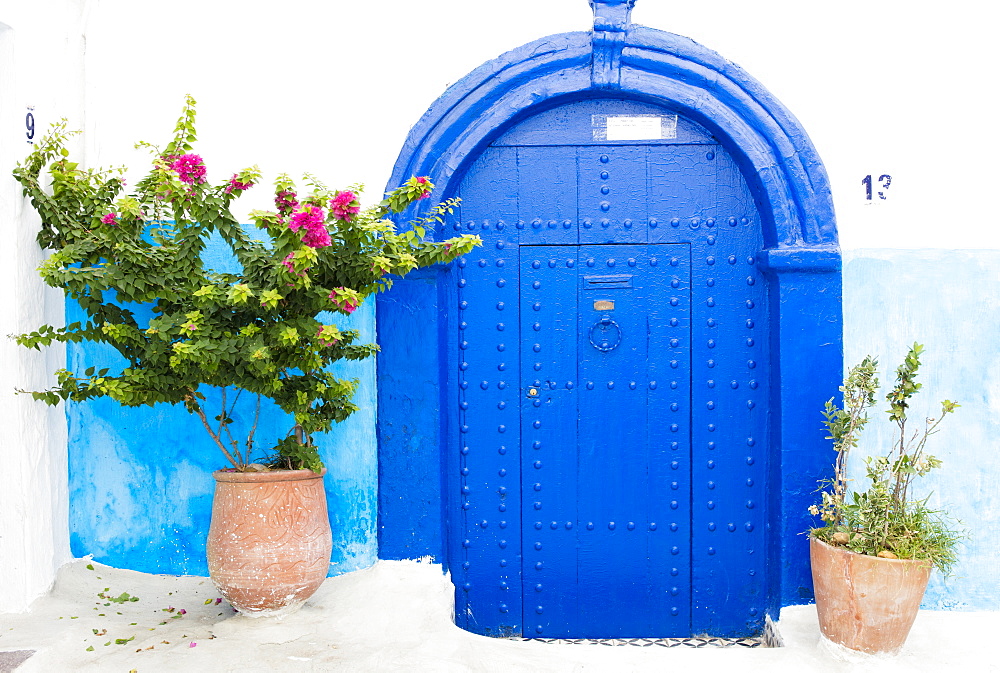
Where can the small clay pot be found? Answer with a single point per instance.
(866, 603)
(269, 542)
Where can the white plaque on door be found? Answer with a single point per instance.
(634, 127)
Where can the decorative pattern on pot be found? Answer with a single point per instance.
(269, 542)
(864, 602)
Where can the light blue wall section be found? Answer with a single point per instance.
(948, 300)
(141, 478)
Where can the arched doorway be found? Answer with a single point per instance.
(613, 447)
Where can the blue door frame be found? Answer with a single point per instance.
(796, 261)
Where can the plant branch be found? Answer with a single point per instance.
(225, 420)
(193, 405)
(253, 428)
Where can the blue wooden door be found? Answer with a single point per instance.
(605, 370)
(608, 438)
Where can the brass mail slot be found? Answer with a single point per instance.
(603, 305)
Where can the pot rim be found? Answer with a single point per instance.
(904, 561)
(269, 476)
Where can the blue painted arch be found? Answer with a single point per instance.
(801, 257)
(775, 153)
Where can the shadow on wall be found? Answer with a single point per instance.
(948, 300)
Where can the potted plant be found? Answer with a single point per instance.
(872, 557)
(134, 262)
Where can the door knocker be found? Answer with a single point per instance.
(605, 335)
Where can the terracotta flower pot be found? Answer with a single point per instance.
(864, 602)
(269, 541)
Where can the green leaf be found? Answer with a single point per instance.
(239, 293)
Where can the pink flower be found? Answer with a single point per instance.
(236, 185)
(193, 644)
(285, 201)
(288, 264)
(427, 192)
(347, 305)
(326, 341)
(109, 218)
(189, 167)
(317, 238)
(344, 205)
(311, 219)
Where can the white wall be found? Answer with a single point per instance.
(891, 87)
(332, 87)
(894, 87)
(41, 48)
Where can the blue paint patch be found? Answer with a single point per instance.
(409, 376)
(141, 483)
(948, 300)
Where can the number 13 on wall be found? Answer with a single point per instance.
(881, 186)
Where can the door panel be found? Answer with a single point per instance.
(611, 383)
(612, 194)
(484, 474)
(547, 208)
(597, 449)
(550, 390)
(683, 188)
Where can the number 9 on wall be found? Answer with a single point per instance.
(29, 124)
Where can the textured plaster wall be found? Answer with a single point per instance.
(40, 66)
(141, 486)
(949, 301)
(141, 478)
(332, 88)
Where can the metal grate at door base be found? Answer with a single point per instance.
(653, 642)
(770, 638)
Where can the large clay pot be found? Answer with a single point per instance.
(269, 541)
(864, 602)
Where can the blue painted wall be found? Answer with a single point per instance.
(141, 478)
(411, 391)
(948, 300)
(141, 486)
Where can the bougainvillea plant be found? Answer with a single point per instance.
(264, 331)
